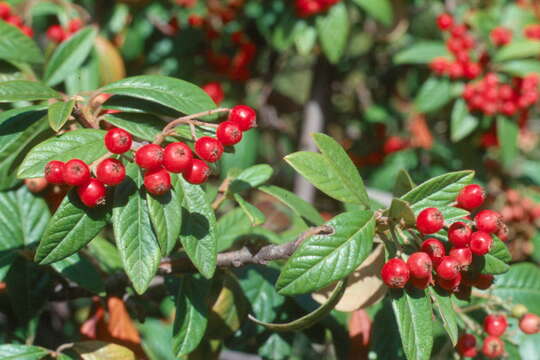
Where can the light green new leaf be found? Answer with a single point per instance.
(380, 10)
(59, 114)
(299, 206)
(16, 46)
(333, 31)
(421, 53)
(255, 215)
(25, 90)
(518, 49)
(22, 352)
(521, 68)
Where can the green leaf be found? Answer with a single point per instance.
(81, 271)
(256, 217)
(251, 177)
(494, 262)
(442, 301)
(231, 226)
(174, 93)
(305, 39)
(24, 90)
(59, 113)
(333, 31)
(100, 350)
(520, 285)
(323, 259)
(198, 229)
(462, 122)
(191, 314)
(71, 227)
(507, 133)
(380, 10)
(106, 254)
(413, 312)
(521, 67)
(422, 52)
(433, 95)
(84, 144)
(518, 49)
(22, 352)
(69, 56)
(16, 126)
(403, 184)
(399, 210)
(299, 206)
(16, 46)
(275, 347)
(311, 318)
(135, 239)
(144, 126)
(284, 31)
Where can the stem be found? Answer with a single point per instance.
(222, 193)
(470, 323)
(97, 161)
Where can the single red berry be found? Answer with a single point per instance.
(439, 65)
(448, 268)
(27, 30)
(451, 285)
(209, 148)
(76, 172)
(493, 347)
(445, 21)
(15, 21)
(92, 193)
(458, 31)
(420, 265)
(459, 234)
(157, 182)
(177, 157)
(195, 21)
(500, 36)
(395, 273)
(421, 283)
(471, 197)
(229, 133)
(495, 325)
(244, 116)
(530, 323)
(111, 172)
(215, 91)
(480, 243)
(394, 144)
(466, 346)
(56, 34)
(74, 25)
(462, 255)
(198, 173)
(5, 10)
(36, 185)
(54, 172)
(488, 221)
(483, 281)
(149, 156)
(435, 249)
(118, 141)
(430, 221)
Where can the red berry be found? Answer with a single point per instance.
(56, 34)
(448, 268)
(15, 21)
(54, 172)
(488, 221)
(118, 141)
(430, 221)
(74, 25)
(502, 233)
(198, 173)
(435, 249)
(459, 234)
(466, 346)
(76, 172)
(439, 65)
(209, 148)
(459, 31)
(27, 30)
(177, 157)
(480, 243)
(36, 185)
(244, 116)
(195, 20)
(500, 36)
(110, 171)
(495, 325)
(451, 285)
(215, 91)
(149, 156)
(394, 144)
(493, 347)
(420, 265)
(421, 283)
(445, 21)
(229, 133)
(5, 10)
(92, 193)
(530, 323)
(471, 197)
(483, 281)
(395, 273)
(462, 255)
(157, 182)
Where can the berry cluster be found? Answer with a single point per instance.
(519, 208)
(451, 262)
(13, 19)
(58, 34)
(307, 8)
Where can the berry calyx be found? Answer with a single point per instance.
(445, 21)
(448, 268)
(462, 255)
(92, 193)
(54, 172)
(118, 141)
(395, 273)
(111, 172)
(480, 243)
(208, 148)
(495, 325)
(243, 116)
(157, 182)
(466, 346)
(488, 221)
(198, 173)
(435, 249)
(177, 157)
(530, 323)
(36, 185)
(430, 221)
(420, 265)
(459, 234)
(471, 197)
(149, 156)
(229, 133)
(492, 347)
(76, 172)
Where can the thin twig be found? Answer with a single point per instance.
(222, 193)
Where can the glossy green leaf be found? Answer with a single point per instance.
(518, 49)
(256, 217)
(299, 206)
(403, 184)
(462, 123)
(198, 229)
(400, 210)
(520, 285)
(174, 93)
(80, 270)
(521, 68)
(16, 46)
(323, 259)
(106, 254)
(251, 177)
(433, 95)
(84, 144)
(231, 226)
(507, 133)
(59, 113)
(380, 10)
(143, 126)
(495, 262)
(333, 31)
(135, 239)
(69, 56)
(24, 90)
(413, 312)
(442, 302)
(71, 227)
(275, 347)
(421, 52)
(18, 125)
(22, 352)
